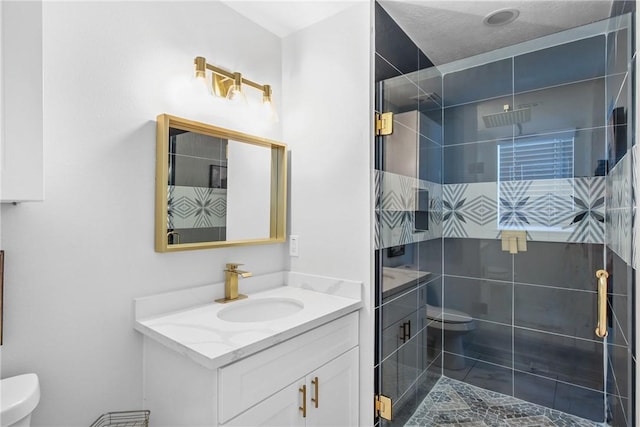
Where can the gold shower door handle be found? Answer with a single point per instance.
(601, 328)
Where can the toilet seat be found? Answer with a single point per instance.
(447, 315)
(451, 325)
(19, 396)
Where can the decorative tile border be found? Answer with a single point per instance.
(396, 228)
(469, 210)
(196, 207)
(452, 402)
(564, 210)
(635, 151)
(395, 201)
(567, 210)
(589, 212)
(398, 192)
(619, 209)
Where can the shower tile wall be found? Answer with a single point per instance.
(408, 185)
(527, 342)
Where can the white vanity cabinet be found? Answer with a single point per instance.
(333, 386)
(263, 388)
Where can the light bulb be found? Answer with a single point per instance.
(200, 85)
(235, 93)
(267, 104)
(200, 68)
(269, 111)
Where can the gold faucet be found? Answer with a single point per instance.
(231, 274)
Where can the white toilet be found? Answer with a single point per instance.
(455, 325)
(19, 396)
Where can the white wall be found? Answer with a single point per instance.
(76, 260)
(326, 122)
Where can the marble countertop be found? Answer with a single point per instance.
(397, 277)
(198, 333)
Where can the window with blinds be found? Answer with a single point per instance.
(535, 181)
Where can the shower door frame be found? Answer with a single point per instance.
(632, 296)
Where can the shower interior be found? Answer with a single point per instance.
(536, 139)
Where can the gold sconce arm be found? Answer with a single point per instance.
(224, 80)
(601, 328)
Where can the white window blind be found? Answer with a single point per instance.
(534, 159)
(535, 181)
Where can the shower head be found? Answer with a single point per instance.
(507, 117)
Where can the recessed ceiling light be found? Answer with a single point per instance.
(501, 17)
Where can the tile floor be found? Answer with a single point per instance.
(454, 403)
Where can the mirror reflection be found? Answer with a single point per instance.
(197, 186)
(217, 187)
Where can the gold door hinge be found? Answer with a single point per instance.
(383, 407)
(384, 124)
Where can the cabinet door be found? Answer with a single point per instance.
(281, 409)
(337, 392)
(22, 174)
(249, 381)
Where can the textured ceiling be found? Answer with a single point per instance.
(450, 30)
(285, 17)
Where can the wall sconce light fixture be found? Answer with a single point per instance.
(228, 84)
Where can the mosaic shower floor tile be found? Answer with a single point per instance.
(454, 403)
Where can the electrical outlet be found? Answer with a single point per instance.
(294, 245)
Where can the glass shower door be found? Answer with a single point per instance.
(409, 244)
(538, 197)
(524, 194)
(531, 194)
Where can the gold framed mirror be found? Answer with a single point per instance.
(216, 187)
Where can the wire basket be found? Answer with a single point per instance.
(123, 419)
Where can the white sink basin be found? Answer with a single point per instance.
(260, 310)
